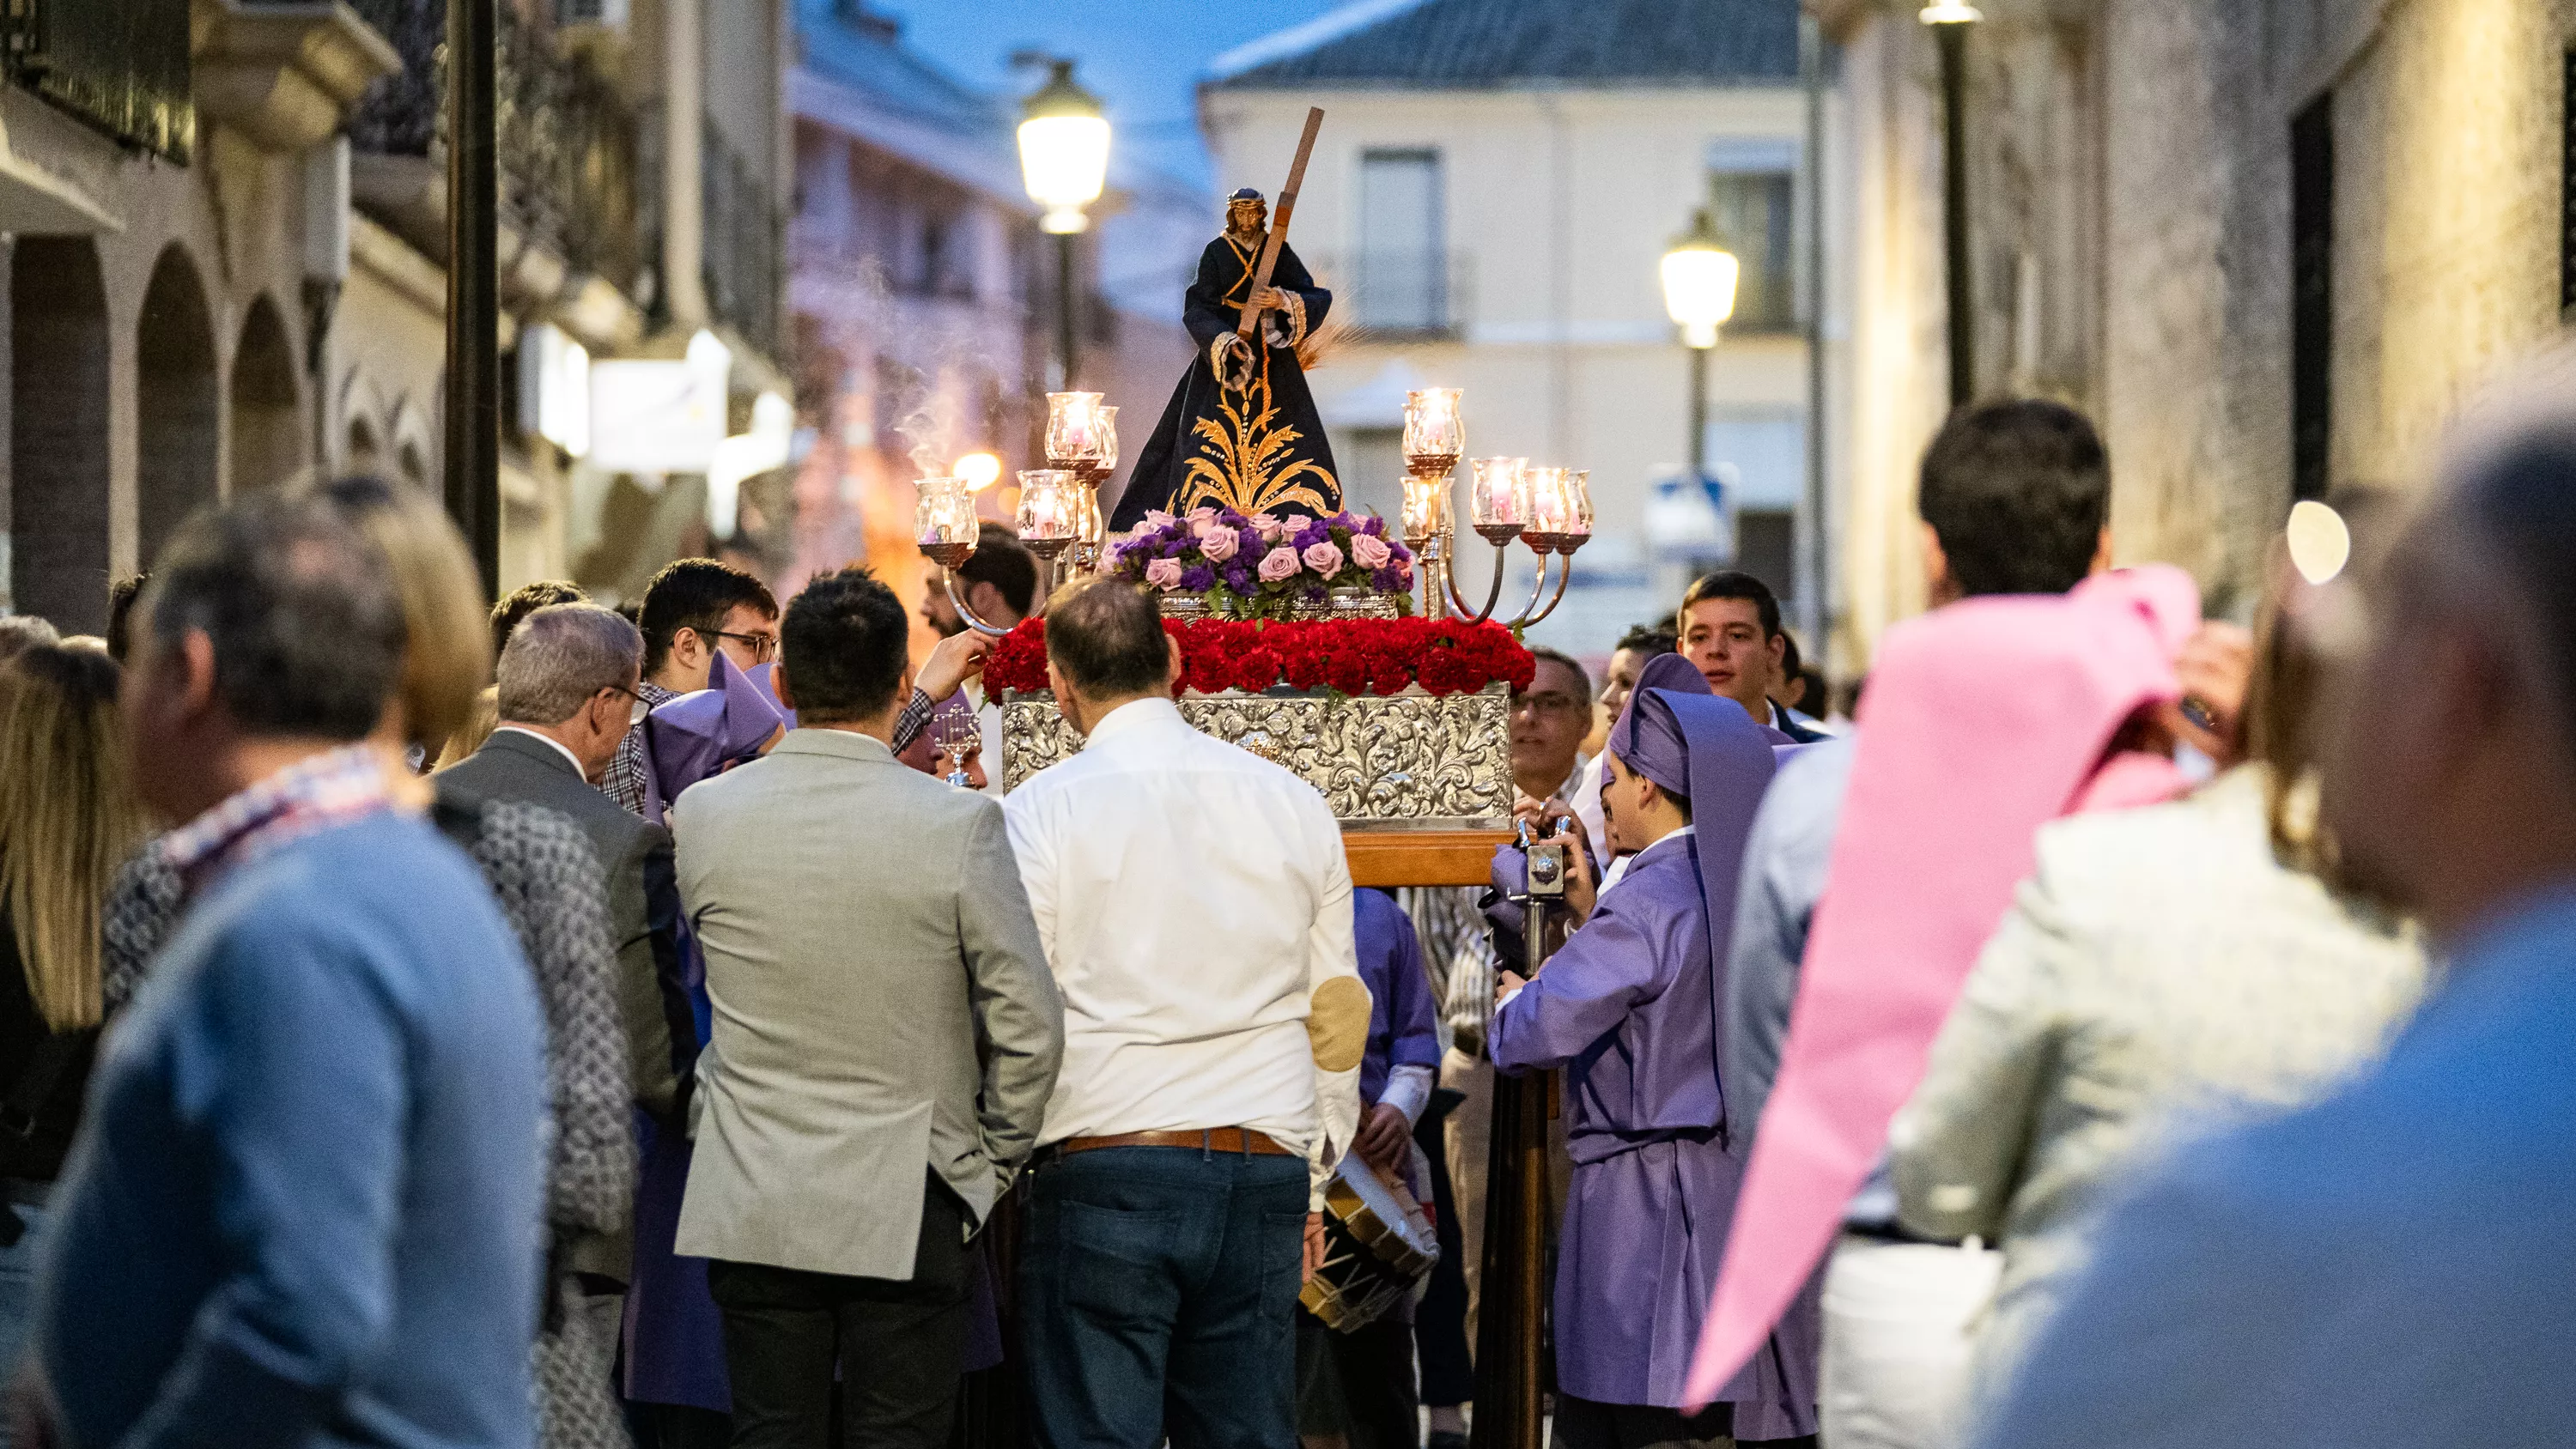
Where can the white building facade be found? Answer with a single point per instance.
(1493, 189)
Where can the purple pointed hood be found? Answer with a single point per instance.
(698, 735)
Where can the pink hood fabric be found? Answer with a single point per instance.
(1982, 722)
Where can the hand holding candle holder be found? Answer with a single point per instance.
(1050, 515)
(945, 527)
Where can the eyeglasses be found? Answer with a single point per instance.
(636, 708)
(1548, 703)
(763, 647)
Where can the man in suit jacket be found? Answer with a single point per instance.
(567, 689)
(886, 1035)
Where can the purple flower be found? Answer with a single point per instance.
(1373, 526)
(1249, 542)
(1238, 575)
(1311, 535)
(1175, 548)
(1198, 578)
(1390, 580)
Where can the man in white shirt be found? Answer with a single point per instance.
(1196, 908)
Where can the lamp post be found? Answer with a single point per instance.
(1950, 22)
(1064, 162)
(1699, 292)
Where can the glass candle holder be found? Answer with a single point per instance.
(1501, 500)
(1551, 507)
(1435, 435)
(1578, 483)
(1073, 428)
(944, 522)
(1050, 508)
(1426, 507)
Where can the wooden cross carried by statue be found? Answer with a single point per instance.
(1270, 245)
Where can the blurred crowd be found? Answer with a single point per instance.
(427, 1024)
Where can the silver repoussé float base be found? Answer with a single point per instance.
(1410, 761)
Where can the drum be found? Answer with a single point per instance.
(1378, 1244)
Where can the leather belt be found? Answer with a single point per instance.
(1232, 1140)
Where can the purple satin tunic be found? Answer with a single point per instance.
(1629, 1010)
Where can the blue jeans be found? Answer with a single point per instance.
(18, 1298)
(1158, 1293)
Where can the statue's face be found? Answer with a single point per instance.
(1243, 218)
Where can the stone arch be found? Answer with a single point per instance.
(364, 447)
(58, 407)
(408, 453)
(179, 422)
(268, 445)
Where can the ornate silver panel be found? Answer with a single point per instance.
(1403, 760)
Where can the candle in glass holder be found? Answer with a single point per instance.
(1435, 436)
(1550, 509)
(1047, 506)
(1502, 493)
(1578, 487)
(1108, 462)
(1425, 498)
(1073, 430)
(944, 522)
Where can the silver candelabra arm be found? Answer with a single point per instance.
(965, 613)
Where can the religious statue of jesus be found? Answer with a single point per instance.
(1241, 430)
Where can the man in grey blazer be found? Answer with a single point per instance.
(567, 687)
(886, 1035)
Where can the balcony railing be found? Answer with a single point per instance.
(121, 66)
(571, 178)
(1401, 296)
(745, 234)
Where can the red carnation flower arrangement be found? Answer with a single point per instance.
(1346, 656)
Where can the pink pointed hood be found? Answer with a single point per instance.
(1982, 721)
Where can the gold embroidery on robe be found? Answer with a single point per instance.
(1238, 450)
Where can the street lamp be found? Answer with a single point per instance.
(1699, 293)
(1950, 22)
(1064, 162)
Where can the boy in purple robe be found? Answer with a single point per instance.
(1629, 1009)
(1358, 1388)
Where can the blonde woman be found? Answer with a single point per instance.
(67, 819)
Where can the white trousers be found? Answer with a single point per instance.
(1900, 1322)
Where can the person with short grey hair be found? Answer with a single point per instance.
(563, 658)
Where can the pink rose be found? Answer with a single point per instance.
(1219, 544)
(1201, 516)
(1370, 551)
(1279, 563)
(1164, 573)
(1157, 518)
(1323, 558)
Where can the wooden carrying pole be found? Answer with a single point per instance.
(1279, 215)
(1511, 1349)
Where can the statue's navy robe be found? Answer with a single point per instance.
(1261, 450)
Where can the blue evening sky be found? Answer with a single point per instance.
(1141, 57)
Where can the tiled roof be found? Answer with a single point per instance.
(1503, 43)
(850, 45)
